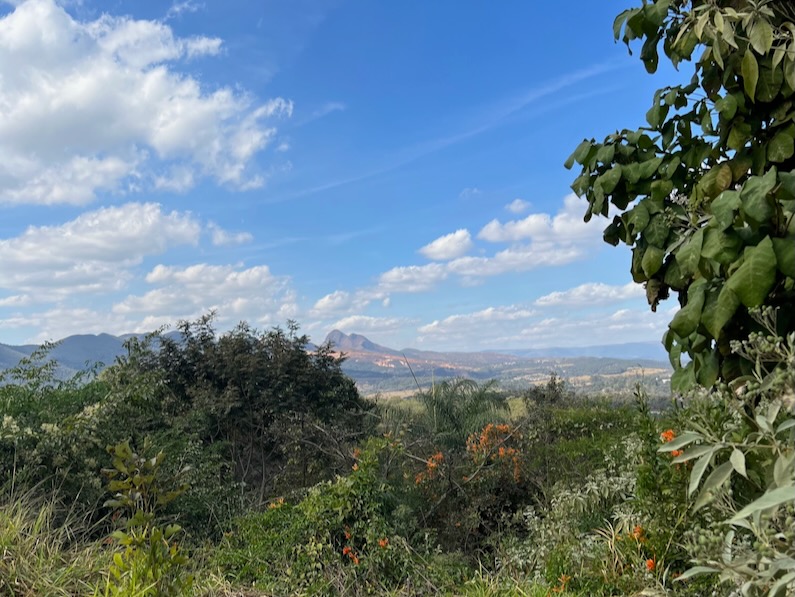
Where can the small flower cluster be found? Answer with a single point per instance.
(489, 445)
(348, 551)
(561, 586)
(431, 468)
(667, 436)
(638, 534)
(277, 503)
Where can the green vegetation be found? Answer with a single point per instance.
(241, 464)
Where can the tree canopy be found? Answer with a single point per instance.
(705, 194)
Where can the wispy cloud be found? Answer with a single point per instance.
(497, 114)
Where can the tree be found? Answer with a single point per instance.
(705, 193)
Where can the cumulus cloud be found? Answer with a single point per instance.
(365, 323)
(236, 293)
(594, 293)
(221, 237)
(518, 206)
(464, 322)
(411, 278)
(448, 246)
(566, 226)
(517, 326)
(93, 252)
(93, 106)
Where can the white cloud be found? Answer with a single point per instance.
(59, 322)
(236, 293)
(100, 106)
(448, 246)
(594, 293)
(517, 326)
(177, 9)
(456, 324)
(364, 323)
(567, 226)
(93, 252)
(411, 278)
(518, 206)
(469, 193)
(221, 237)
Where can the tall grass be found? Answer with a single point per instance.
(43, 551)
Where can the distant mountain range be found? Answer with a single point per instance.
(595, 368)
(378, 368)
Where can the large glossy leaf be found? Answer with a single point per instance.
(750, 72)
(687, 318)
(689, 254)
(720, 246)
(718, 311)
(755, 277)
(610, 179)
(756, 204)
(652, 260)
(781, 147)
(771, 499)
(724, 209)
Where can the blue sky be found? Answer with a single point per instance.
(393, 169)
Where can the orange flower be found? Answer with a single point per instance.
(347, 534)
(355, 466)
(676, 453)
(346, 550)
(651, 564)
(355, 559)
(356, 452)
(667, 435)
(383, 543)
(637, 533)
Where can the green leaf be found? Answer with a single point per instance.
(636, 219)
(770, 499)
(609, 179)
(717, 180)
(750, 72)
(781, 147)
(715, 480)
(689, 254)
(761, 36)
(784, 468)
(724, 209)
(720, 246)
(652, 260)
(649, 167)
(695, 571)
(682, 380)
(579, 154)
(755, 203)
(656, 233)
(781, 583)
(717, 314)
(707, 367)
(699, 468)
(606, 153)
(686, 319)
(755, 277)
(687, 438)
(693, 452)
(737, 460)
(726, 106)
